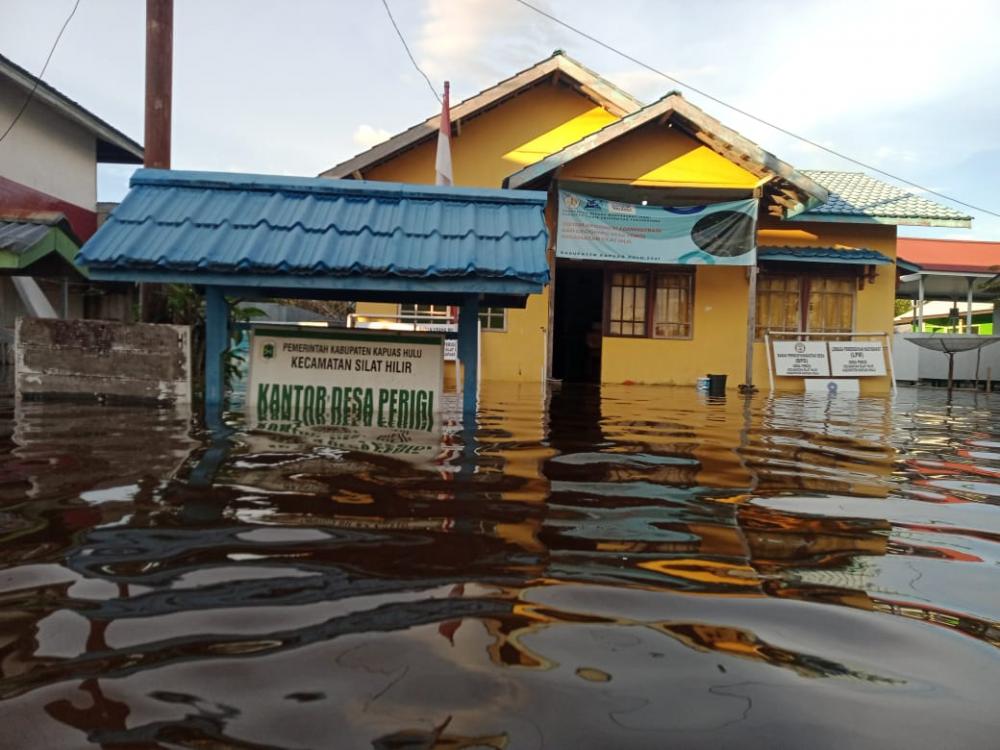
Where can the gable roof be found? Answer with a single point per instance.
(716, 136)
(856, 197)
(303, 228)
(113, 146)
(27, 237)
(558, 65)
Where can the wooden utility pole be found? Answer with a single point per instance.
(159, 87)
(159, 81)
(748, 386)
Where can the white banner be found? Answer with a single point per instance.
(345, 378)
(806, 359)
(857, 358)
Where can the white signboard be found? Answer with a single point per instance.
(345, 378)
(801, 359)
(857, 358)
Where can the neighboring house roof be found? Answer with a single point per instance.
(113, 146)
(301, 228)
(949, 256)
(27, 237)
(708, 130)
(859, 256)
(558, 65)
(857, 198)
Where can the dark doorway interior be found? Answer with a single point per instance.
(578, 321)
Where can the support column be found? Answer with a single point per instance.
(920, 304)
(216, 343)
(968, 305)
(996, 318)
(468, 352)
(748, 386)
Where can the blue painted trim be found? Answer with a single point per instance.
(468, 353)
(293, 282)
(216, 343)
(328, 186)
(834, 260)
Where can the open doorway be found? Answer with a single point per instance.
(578, 320)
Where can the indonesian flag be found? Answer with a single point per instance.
(442, 164)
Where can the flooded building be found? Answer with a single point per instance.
(826, 241)
(48, 199)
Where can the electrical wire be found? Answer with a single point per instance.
(408, 53)
(38, 79)
(752, 116)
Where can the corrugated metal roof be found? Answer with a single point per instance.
(217, 222)
(18, 236)
(823, 254)
(855, 194)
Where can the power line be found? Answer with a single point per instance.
(408, 53)
(752, 116)
(38, 79)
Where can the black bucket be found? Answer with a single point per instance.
(716, 385)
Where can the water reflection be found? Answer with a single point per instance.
(626, 567)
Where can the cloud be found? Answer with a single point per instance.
(475, 43)
(367, 136)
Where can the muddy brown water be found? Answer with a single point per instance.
(627, 568)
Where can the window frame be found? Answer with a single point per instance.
(651, 274)
(805, 277)
(416, 319)
(485, 310)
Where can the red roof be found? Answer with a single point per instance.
(950, 255)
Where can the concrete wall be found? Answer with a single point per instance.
(107, 361)
(47, 152)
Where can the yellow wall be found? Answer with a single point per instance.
(720, 316)
(502, 140)
(490, 147)
(657, 155)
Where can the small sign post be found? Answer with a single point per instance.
(801, 359)
(825, 359)
(857, 358)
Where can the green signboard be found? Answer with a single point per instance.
(345, 378)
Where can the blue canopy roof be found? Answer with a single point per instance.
(858, 256)
(242, 229)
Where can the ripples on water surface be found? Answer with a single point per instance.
(639, 568)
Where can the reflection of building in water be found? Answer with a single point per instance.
(744, 644)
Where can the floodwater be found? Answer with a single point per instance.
(631, 568)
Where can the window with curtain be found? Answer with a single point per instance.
(672, 308)
(779, 303)
(493, 318)
(821, 304)
(831, 305)
(627, 304)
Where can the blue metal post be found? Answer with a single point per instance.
(468, 351)
(216, 342)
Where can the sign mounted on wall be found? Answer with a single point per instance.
(807, 359)
(345, 378)
(857, 358)
(590, 228)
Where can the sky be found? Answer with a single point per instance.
(298, 86)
